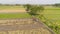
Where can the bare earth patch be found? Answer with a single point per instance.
(12, 11)
(29, 26)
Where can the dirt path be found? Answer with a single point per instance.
(11, 11)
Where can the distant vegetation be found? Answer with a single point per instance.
(57, 5)
(10, 4)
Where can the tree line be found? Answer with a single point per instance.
(10, 4)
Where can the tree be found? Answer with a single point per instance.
(27, 6)
(36, 10)
(17, 4)
(57, 5)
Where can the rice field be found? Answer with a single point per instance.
(51, 13)
(33, 31)
(3, 7)
(52, 16)
(14, 15)
(23, 26)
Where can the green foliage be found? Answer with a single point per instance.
(14, 15)
(33, 9)
(57, 5)
(50, 16)
(27, 6)
(36, 10)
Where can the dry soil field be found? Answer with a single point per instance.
(10, 9)
(23, 26)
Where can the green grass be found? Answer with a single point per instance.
(11, 7)
(14, 15)
(52, 14)
(51, 7)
